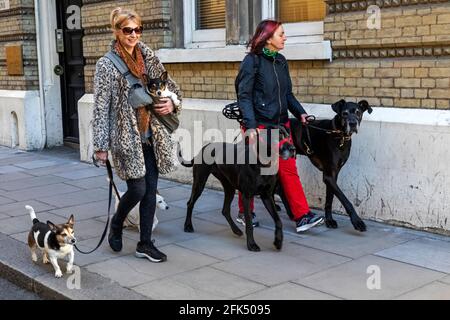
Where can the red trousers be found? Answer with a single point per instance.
(292, 188)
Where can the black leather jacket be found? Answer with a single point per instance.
(265, 93)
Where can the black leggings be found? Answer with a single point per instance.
(143, 190)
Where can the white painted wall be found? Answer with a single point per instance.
(25, 106)
(398, 171)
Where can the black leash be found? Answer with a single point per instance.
(111, 186)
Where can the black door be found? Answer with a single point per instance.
(72, 62)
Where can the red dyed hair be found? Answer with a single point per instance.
(264, 32)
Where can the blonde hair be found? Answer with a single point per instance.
(119, 15)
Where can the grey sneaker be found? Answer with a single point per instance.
(241, 219)
(308, 221)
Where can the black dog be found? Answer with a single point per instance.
(327, 144)
(240, 175)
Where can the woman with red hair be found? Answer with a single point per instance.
(265, 95)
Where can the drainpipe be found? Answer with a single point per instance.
(41, 75)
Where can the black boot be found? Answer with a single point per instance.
(115, 238)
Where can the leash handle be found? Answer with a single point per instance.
(111, 185)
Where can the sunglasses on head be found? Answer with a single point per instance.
(127, 30)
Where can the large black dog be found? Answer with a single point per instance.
(244, 176)
(327, 144)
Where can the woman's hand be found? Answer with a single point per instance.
(164, 107)
(101, 156)
(303, 119)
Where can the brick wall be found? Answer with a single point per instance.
(17, 27)
(156, 17)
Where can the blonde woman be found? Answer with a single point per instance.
(139, 144)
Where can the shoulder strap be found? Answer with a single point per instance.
(122, 67)
(255, 63)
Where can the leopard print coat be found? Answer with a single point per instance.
(115, 124)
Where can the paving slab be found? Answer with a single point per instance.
(433, 291)
(32, 182)
(36, 164)
(13, 176)
(16, 209)
(289, 291)
(199, 284)
(205, 203)
(70, 166)
(348, 242)
(164, 184)
(175, 193)
(350, 280)
(445, 279)
(83, 173)
(90, 183)
(7, 169)
(273, 268)
(424, 252)
(86, 211)
(4, 200)
(38, 193)
(4, 216)
(172, 231)
(226, 245)
(130, 271)
(69, 199)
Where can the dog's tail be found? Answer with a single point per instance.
(32, 214)
(184, 163)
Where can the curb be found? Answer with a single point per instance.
(16, 266)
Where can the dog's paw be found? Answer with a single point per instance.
(238, 232)
(359, 225)
(34, 257)
(58, 274)
(253, 247)
(331, 223)
(278, 244)
(189, 228)
(45, 259)
(69, 269)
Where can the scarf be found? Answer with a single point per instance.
(136, 65)
(269, 53)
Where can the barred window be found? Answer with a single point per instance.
(210, 14)
(301, 10)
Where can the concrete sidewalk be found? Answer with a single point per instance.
(383, 263)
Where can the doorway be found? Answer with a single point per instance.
(71, 60)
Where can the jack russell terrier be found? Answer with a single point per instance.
(55, 241)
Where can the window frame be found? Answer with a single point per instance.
(298, 32)
(200, 39)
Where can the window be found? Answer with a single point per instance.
(204, 22)
(210, 14)
(302, 19)
(300, 10)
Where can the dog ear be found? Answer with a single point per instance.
(364, 105)
(71, 220)
(337, 107)
(164, 76)
(51, 225)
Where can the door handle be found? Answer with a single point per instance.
(58, 70)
